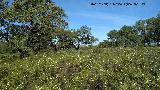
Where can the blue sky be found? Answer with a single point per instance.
(102, 18)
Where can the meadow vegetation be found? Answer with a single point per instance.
(39, 52)
(89, 69)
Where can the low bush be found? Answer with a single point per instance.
(90, 69)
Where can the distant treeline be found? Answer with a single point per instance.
(143, 33)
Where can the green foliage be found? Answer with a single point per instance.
(113, 37)
(85, 36)
(39, 19)
(65, 39)
(144, 32)
(94, 69)
(106, 43)
(126, 36)
(40, 22)
(129, 36)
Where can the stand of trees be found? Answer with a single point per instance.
(65, 39)
(143, 33)
(36, 26)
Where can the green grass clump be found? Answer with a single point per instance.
(89, 69)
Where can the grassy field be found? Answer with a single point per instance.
(87, 69)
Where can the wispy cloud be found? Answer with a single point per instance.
(116, 19)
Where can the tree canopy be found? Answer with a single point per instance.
(32, 25)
